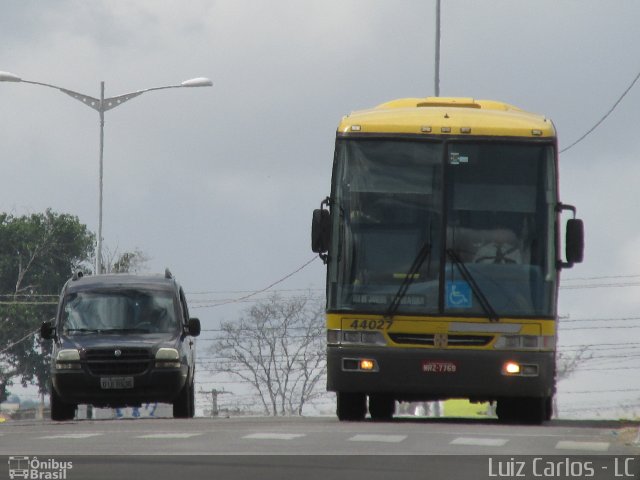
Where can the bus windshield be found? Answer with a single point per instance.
(461, 224)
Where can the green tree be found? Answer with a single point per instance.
(38, 253)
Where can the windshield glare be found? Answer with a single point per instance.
(140, 311)
(490, 203)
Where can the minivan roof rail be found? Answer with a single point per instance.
(77, 275)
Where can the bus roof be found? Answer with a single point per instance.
(448, 116)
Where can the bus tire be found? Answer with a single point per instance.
(381, 407)
(549, 407)
(532, 410)
(351, 406)
(526, 410)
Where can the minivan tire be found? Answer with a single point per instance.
(183, 406)
(60, 410)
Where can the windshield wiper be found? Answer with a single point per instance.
(422, 255)
(107, 330)
(82, 330)
(466, 274)
(125, 330)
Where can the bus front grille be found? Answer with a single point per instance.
(429, 339)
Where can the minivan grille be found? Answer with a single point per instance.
(106, 361)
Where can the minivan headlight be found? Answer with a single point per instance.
(68, 359)
(167, 358)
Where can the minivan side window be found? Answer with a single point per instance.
(185, 309)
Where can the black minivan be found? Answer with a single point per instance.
(122, 340)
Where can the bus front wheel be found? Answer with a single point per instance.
(351, 406)
(528, 410)
(381, 407)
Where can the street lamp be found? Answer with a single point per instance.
(103, 104)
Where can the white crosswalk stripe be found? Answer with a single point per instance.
(273, 436)
(479, 442)
(378, 438)
(586, 446)
(168, 435)
(71, 436)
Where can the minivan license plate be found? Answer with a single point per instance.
(116, 382)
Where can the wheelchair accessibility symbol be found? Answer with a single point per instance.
(458, 295)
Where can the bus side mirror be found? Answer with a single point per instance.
(47, 330)
(574, 241)
(320, 231)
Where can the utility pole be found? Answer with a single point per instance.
(437, 56)
(214, 400)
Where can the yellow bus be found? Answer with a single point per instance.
(442, 243)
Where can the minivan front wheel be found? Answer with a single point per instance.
(60, 410)
(184, 405)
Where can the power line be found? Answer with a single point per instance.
(20, 302)
(609, 327)
(610, 319)
(576, 392)
(245, 297)
(230, 292)
(14, 295)
(600, 285)
(602, 277)
(11, 345)
(604, 117)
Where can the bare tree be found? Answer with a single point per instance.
(567, 364)
(125, 262)
(277, 347)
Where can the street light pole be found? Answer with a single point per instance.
(437, 55)
(100, 183)
(102, 105)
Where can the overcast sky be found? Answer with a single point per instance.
(219, 183)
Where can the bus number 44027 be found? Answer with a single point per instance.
(380, 324)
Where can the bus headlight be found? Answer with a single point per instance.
(525, 342)
(351, 337)
(515, 369)
(360, 365)
(354, 337)
(333, 337)
(373, 338)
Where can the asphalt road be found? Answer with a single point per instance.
(319, 448)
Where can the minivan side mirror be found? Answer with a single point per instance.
(47, 330)
(574, 241)
(194, 327)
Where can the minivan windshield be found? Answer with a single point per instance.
(119, 311)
